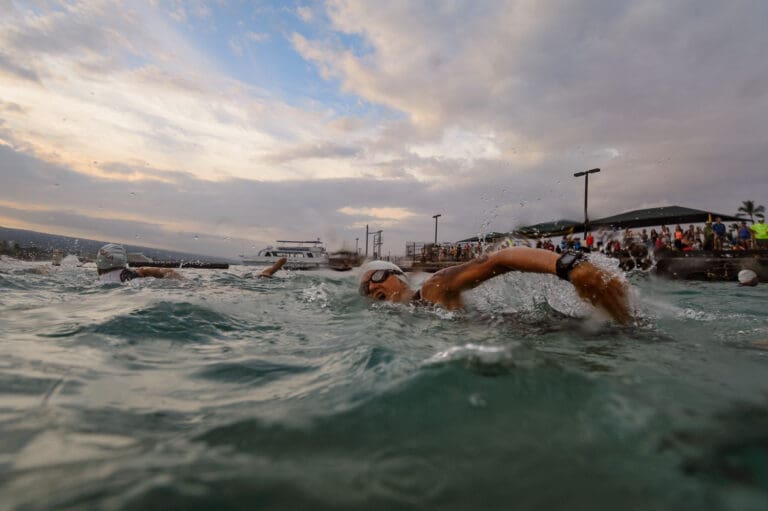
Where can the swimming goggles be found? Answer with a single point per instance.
(379, 276)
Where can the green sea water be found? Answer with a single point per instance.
(223, 391)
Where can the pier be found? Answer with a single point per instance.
(180, 264)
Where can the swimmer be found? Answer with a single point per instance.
(381, 280)
(267, 274)
(112, 266)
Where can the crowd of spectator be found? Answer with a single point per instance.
(451, 251)
(710, 236)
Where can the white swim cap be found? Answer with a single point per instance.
(747, 278)
(369, 268)
(379, 265)
(111, 256)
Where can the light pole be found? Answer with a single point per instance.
(436, 217)
(377, 244)
(586, 174)
(357, 250)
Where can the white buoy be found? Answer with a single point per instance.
(747, 278)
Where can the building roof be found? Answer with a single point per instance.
(490, 236)
(637, 218)
(659, 216)
(544, 229)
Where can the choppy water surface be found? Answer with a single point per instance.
(227, 392)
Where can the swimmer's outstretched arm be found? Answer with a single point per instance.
(593, 284)
(158, 273)
(272, 269)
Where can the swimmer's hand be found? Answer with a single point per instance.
(272, 269)
(603, 290)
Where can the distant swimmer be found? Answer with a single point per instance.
(267, 273)
(112, 265)
(382, 280)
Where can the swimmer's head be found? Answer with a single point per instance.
(382, 280)
(110, 257)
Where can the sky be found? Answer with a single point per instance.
(217, 127)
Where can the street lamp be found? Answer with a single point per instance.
(357, 250)
(436, 217)
(377, 244)
(586, 174)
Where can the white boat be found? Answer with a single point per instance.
(301, 255)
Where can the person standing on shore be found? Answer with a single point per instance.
(709, 237)
(719, 229)
(745, 236)
(760, 230)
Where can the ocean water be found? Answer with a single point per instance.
(222, 391)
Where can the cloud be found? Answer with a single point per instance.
(236, 46)
(381, 113)
(170, 213)
(178, 209)
(239, 43)
(179, 14)
(13, 108)
(313, 151)
(457, 144)
(526, 69)
(11, 68)
(257, 37)
(122, 84)
(305, 13)
(382, 214)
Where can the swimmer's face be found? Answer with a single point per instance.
(385, 285)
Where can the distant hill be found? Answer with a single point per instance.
(86, 247)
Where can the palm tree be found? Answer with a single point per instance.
(748, 208)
